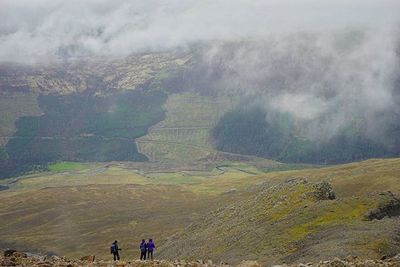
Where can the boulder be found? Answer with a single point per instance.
(9, 252)
(337, 263)
(389, 206)
(121, 263)
(249, 264)
(324, 191)
(7, 262)
(18, 254)
(89, 258)
(44, 264)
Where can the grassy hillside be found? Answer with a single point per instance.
(78, 211)
(282, 220)
(84, 127)
(215, 213)
(87, 75)
(184, 134)
(79, 110)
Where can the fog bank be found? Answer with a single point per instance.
(38, 30)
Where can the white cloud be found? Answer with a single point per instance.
(33, 30)
(326, 62)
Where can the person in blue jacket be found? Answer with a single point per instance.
(143, 249)
(150, 248)
(115, 250)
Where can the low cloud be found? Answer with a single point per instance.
(38, 30)
(329, 64)
(327, 82)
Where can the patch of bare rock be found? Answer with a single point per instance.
(15, 258)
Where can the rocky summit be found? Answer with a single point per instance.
(15, 258)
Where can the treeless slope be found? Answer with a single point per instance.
(272, 217)
(81, 220)
(284, 222)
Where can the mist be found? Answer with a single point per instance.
(36, 31)
(329, 64)
(326, 82)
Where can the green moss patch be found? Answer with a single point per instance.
(65, 166)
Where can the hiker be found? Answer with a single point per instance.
(115, 250)
(150, 248)
(143, 250)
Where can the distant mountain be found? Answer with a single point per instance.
(179, 107)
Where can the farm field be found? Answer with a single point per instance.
(184, 134)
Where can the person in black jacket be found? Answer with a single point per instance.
(143, 250)
(115, 250)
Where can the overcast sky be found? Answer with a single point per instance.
(35, 30)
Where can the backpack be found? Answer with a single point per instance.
(143, 247)
(112, 248)
(150, 246)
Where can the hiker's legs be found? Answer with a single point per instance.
(150, 254)
(143, 255)
(117, 255)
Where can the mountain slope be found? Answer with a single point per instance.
(212, 213)
(284, 220)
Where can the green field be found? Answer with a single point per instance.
(184, 134)
(65, 166)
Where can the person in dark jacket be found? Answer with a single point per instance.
(150, 248)
(143, 250)
(115, 250)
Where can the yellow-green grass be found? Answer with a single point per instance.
(184, 135)
(195, 137)
(174, 178)
(63, 174)
(284, 219)
(161, 151)
(79, 212)
(83, 220)
(66, 166)
(338, 213)
(356, 178)
(194, 110)
(100, 175)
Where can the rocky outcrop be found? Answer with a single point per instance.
(89, 258)
(388, 207)
(349, 262)
(21, 259)
(9, 252)
(324, 191)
